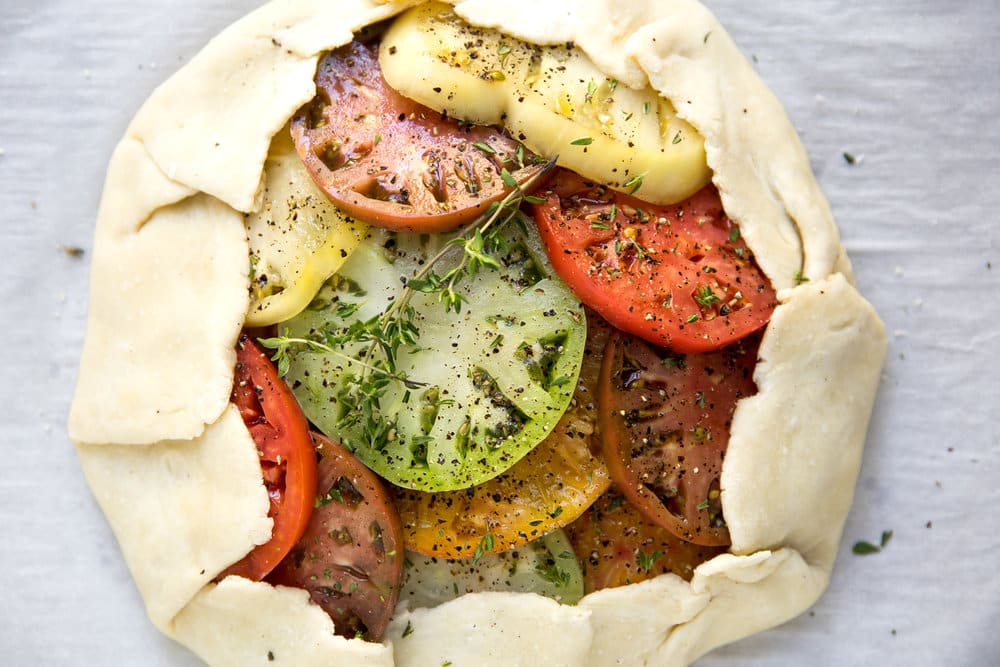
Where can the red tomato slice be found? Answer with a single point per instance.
(393, 162)
(678, 276)
(617, 545)
(350, 557)
(664, 424)
(287, 458)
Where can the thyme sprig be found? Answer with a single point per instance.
(395, 327)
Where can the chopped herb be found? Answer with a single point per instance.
(378, 139)
(886, 536)
(706, 297)
(582, 141)
(799, 278)
(850, 158)
(863, 548)
(591, 89)
(612, 85)
(556, 512)
(705, 38)
(485, 546)
(615, 503)
(677, 138)
(633, 183)
(408, 630)
(645, 107)
(646, 561)
(600, 225)
(484, 147)
(508, 180)
(703, 505)
(536, 522)
(734, 234)
(693, 317)
(550, 571)
(699, 398)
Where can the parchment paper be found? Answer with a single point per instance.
(910, 90)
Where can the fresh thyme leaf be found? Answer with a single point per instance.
(486, 148)
(508, 180)
(886, 536)
(582, 141)
(548, 570)
(863, 548)
(408, 630)
(799, 278)
(703, 505)
(677, 138)
(484, 547)
(706, 297)
(693, 317)
(646, 561)
(599, 225)
(633, 183)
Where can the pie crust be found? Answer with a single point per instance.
(176, 473)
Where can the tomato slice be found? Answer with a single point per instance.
(395, 163)
(665, 426)
(287, 459)
(551, 486)
(678, 276)
(617, 546)
(350, 557)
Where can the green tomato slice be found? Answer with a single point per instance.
(494, 378)
(546, 566)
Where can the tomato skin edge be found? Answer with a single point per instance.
(291, 506)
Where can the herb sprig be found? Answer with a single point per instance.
(395, 327)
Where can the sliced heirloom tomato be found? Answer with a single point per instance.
(550, 487)
(395, 163)
(546, 566)
(678, 276)
(287, 459)
(350, 558)
(665, 423)
(486, 384)
(617, 546)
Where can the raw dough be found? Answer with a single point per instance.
(168, 296)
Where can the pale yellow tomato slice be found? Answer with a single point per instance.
(298, 238)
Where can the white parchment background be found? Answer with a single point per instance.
(912, 89)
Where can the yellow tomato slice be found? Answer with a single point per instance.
(298, 238)
(550, 487)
